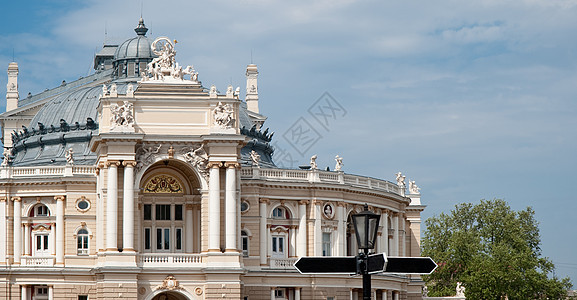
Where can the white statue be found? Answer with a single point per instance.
(121, 115)
(229, 91)
(339, 165)
(104, 90)
(198, 158)
(145, 155)
(413, 188)
(460, 290)
(213, 91)
(314, 162)
(7, 156)
(70, 157)
(223, 115)
(255, 157)
(129, 90)
(401, 181)
(425, 291)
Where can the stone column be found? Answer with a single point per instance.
(403, 235)
(272, 297)
(302, 232)
(214, 207)
(52, 239)
(317, 234)
(112, 206)
(128, 207)
(3, 232)
(384, 294)
(17, 229)
(341, 228)
(51, 292)
(396, 228)
(263, 231)
(385, 235)
(297, 293)
(26, 239)
(188, 230)
(231, 207)
(59, 230)
(99, 210)
(24, 292)
(293, 240)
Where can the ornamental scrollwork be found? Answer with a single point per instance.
(198, 158)
(145, 155)
(163, 184)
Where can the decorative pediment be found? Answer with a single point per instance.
(163, 184)
(170, 283)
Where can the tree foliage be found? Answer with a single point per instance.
(493, 251)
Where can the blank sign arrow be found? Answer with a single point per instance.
(410, 265)
(327, 265)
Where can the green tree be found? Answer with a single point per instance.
(493, 251)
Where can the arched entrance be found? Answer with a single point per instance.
(170, 296)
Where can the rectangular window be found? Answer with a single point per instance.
(178, 212)
(327, 244)
(45, 245)
(178, 242)
(279, 293)
(147, 238)
(147, 211)
(244, 239)
(163, 212)
(163, 238)
(82, 297)
(274, 244)
(38, 242)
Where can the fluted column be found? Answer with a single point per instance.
(263, 231)
(17, 229)
(302, 232)
(59, 230)
(112, 206)
(297, 293)
(384, 294)
(385, 235)
(3, 232)
(341, 227)
(128, 207)
(188, 230)
(214, 207)
(396, 234)
(230, 207)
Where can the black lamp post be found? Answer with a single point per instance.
(366, 226)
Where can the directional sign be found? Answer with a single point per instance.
(327, 265)
(376, 263)
(410, 265)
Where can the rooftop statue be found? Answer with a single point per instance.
(401, 181)
(165, 65)
(314, 162)
(413, 188)
(339, 165)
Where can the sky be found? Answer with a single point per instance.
(471, 99)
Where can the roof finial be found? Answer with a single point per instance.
(141, 28)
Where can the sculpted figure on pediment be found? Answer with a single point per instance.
(198, 158)
(145, 155)
(223, 115)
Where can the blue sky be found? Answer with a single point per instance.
(471, 99)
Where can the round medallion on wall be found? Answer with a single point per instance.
(82, 204)
(198, 291)
(329, 210)
(244, 206)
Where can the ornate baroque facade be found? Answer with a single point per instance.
(139, 183)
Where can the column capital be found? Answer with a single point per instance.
(16, 199)
(59, 198)
(129, 163)
(214, 164)
(341, 203)
(3, 199)
(231, 164)
(110, 163)
(264, 200)
(317, 202)
(189, 206)
(100, 165)
(303, 202)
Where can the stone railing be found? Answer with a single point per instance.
(169, 260)
(320, 177)
(21, 172)
(31, 261)
(282, 263)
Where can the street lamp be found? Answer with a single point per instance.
(366, 226)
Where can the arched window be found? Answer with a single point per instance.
(279, 213)
(82, 242)
(40, 210)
